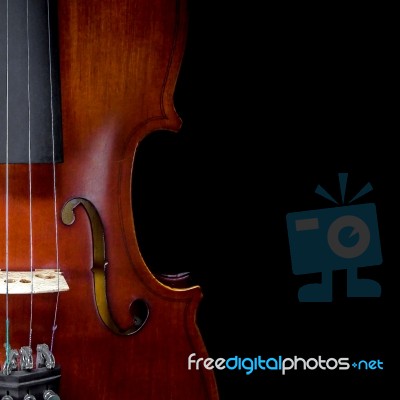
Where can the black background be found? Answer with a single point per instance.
(274, 101)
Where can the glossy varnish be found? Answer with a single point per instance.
(119, 62)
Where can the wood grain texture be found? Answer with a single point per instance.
(120, 60)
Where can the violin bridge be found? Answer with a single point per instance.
(26, 282)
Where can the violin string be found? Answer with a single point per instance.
(30, 174)
(7, 344)
(54, 327)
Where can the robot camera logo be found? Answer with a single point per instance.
(342, 237)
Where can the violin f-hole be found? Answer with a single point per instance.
(139, 308)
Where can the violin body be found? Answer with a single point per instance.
(120, 332)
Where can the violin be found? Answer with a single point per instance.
(82, 315)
